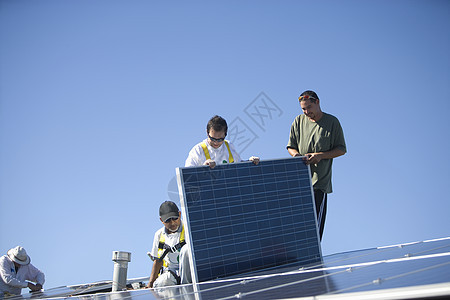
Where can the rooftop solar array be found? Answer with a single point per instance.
(243, 217)
(419, 270)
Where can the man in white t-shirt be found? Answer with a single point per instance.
(215, 149)
(169, 253)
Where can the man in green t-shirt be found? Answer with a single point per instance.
(318, 137)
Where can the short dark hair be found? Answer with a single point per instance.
(218, 124)
(312, 94)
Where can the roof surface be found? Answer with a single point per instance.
(405, 271)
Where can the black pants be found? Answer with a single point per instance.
(321, 209)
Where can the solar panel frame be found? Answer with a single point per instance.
(282, 186)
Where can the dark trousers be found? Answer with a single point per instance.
(321, 209)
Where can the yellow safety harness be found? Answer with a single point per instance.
(164, 249)
(205, 149)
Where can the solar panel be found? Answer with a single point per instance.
(243, 217)
(419, 270)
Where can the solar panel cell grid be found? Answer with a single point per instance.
(244, 217)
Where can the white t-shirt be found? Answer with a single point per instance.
(220, 155)
(171, 240)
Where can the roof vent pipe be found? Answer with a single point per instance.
(121, 260)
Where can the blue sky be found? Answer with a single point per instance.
(100, 101)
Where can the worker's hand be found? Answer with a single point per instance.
(210, 163)
(313, 158)
(296, 154)
(149, 285)
(254, 159)
(33, 287)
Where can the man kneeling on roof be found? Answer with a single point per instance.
(170, 254)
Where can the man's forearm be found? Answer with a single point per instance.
(336, 152)
(155, 270)
(315, 158)
(293, 152)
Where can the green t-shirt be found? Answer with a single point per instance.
(311, 137)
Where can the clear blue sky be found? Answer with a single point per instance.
(101, 100)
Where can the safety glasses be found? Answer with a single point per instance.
(306, 97)
(171, 219)
(216, 140)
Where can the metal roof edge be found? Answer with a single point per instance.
(415, 292)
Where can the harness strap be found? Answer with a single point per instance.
(205, 149)
(231, 159)
(178, 278)
(163, 249)
(172, 249)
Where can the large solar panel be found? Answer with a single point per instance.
(243, 217)
(419, 270)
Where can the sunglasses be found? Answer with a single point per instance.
(216, 140)
(171, 219)
(306, 97)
